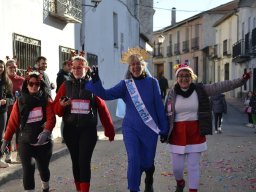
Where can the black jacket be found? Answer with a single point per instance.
(7, 95)
(61, 77)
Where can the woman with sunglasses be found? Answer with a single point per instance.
(190, 119)
(33, 115)
(6, 99)
(79, 108)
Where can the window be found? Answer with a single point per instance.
(171, 69)
(92, 59)
(64, 54)
(115, 29)
(26, 50)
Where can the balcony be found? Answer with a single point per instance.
(169, 50)
(239, 52)
(253, 42)
(185, 46)
(226, 48)
(195, 43)
(69, 11)
(177, 48)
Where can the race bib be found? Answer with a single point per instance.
(35, 115)
(80, 106)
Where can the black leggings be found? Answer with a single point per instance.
(217, 118)
(42, 155)
(81, 144)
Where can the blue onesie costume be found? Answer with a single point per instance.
(140, 141)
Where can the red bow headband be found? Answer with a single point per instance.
(32, 71)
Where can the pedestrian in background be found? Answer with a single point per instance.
(41, 65)
(6, 99)
(248, 108)
(17, 82)
(33, 115)
(190, 119)
(252, 104)
(79, 108)
(144, 118)
(163, 83)
(63, 75)
(219, 106)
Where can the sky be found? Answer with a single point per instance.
(184, 10)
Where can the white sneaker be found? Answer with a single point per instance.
(8, 158)
(216, 132)
(3, 164)
(219, 130)
(18, 160)
(249, 125)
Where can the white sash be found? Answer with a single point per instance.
(139, 105)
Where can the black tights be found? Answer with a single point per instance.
(81, 144)
(217, 119)
(42, 154)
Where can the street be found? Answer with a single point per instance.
(229, 165)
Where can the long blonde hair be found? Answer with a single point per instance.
(6, 81)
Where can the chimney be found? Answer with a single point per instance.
(173, 16)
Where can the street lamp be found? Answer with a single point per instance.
(95, 3)
(160, 40)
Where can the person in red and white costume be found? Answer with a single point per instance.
(33, 115)
(79, 108)
(188, 109)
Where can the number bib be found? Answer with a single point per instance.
(35, 115)
(80, 106)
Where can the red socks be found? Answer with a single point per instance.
(84, 187)
(180, 182)
(192, 190)
(77, 186)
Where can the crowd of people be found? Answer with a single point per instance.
(182, 121)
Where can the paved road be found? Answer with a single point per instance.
(229, 165)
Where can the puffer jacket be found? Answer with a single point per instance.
(204, 113)
(218, 103)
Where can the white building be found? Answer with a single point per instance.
(52, 28)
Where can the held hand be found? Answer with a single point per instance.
(95, 74)
(43, 137)
(247, 75)
(110, 134)
(163, 138)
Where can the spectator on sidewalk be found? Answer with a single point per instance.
(79, 109)
(41, 65)
(247, 106)
(17, 82)
(63, 75)
(219, 106)
(253, 105)
(144, 119)
(6, 98)
(190, 119)
(33, 114)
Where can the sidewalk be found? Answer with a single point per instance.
(59, 149)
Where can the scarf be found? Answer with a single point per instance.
(186, 93)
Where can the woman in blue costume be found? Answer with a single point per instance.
(142, 124)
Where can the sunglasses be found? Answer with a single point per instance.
(31, 84)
